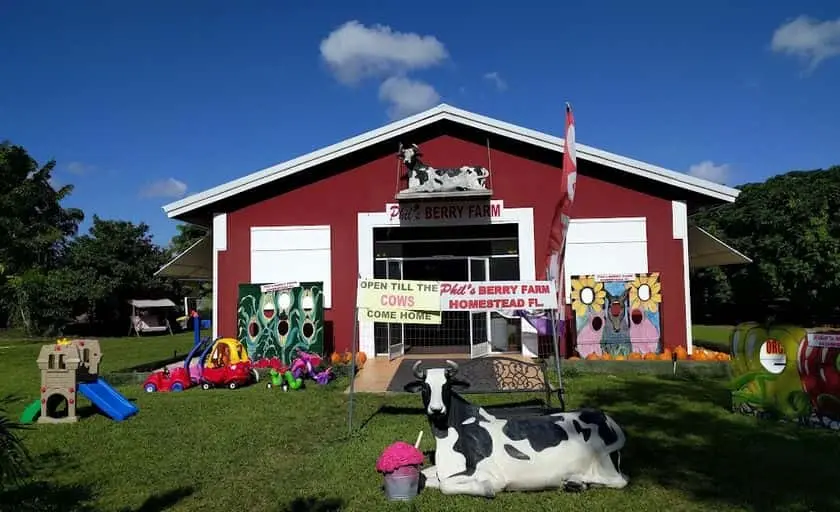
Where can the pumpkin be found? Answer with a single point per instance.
(335, 358)
(682, 353)
(361, 359)
(651, 356)
(620, 357)
(593, 357)
(348, 356)
(606, 356)
(635, 356)
(698, 355)
(574, 358)
(722, 357)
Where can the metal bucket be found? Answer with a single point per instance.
(402, 484)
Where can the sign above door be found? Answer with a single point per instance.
(444, 212)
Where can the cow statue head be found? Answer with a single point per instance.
(409, 154)
(436, 386)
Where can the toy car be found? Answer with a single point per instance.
(231, 376)
(176, 379)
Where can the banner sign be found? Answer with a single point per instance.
(496, 295)
(395, 295)
(443, 212)
(276, 287)
(402, 316)
(421, 302)
(824, 339)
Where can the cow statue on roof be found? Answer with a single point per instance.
(478, 454)
(425, 178)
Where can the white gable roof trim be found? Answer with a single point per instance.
(433, 115)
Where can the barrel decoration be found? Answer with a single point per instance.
(765, 377)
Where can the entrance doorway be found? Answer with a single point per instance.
(455, 253)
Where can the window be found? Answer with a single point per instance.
(51, 362)
(605, 246)
(292, 253)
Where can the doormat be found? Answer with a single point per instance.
(405, 374)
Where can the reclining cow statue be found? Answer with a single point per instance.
(478, 454)
(425, 178)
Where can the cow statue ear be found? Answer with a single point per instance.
(414, 386)
(459, 384)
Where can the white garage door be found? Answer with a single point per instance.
(292, 253)
(605, 246)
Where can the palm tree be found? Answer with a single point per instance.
(14, 457)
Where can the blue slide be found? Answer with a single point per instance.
(108, 399)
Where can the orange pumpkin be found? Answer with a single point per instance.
(698, 355)
(361, 359)
(335, 358)
(620, 357)
(348, 356)
(681, 352)
(606, 356)
(722, 356)
(593, 357)
(651, 356)
(635, 356)
(573, 358)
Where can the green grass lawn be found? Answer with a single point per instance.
(254, 449)
(713, 337)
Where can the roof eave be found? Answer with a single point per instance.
(442, 112)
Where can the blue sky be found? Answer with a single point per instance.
(142, 102)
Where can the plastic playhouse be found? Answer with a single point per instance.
(68, 368)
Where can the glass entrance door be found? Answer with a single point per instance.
(479, 270)
(396, 344)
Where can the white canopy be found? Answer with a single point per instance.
(706, 250)
(152, 303)
(194, 264)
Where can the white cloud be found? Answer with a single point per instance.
(79, 168)
(169, 187)
(354, 51)
(711, 171)
(809, 39)
(496, 79)
(405, 96)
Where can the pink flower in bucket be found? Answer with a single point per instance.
(400, 463)
(399, 455)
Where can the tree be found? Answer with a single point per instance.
(790, 227)
(34, 228)
(14, 457)
(114, 262)
(187, 235)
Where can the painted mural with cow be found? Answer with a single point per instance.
(479, 454)
(787, 372)
(617, 315)
(274, 324)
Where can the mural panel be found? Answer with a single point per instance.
(275, 324)
(617, 315)
(787, 372)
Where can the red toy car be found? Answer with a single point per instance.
(176, 379)
(232, 376)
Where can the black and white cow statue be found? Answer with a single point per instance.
(479, 454)
(425, 178)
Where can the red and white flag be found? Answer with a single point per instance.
(560, 221)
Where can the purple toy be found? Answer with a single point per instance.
(305, 364)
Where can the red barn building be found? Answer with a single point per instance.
(336, 214)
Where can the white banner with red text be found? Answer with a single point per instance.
(497, 295)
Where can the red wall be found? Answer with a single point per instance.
(517, 181)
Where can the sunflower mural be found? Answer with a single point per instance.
(617, 315)
(645, 292)
(276, 324)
